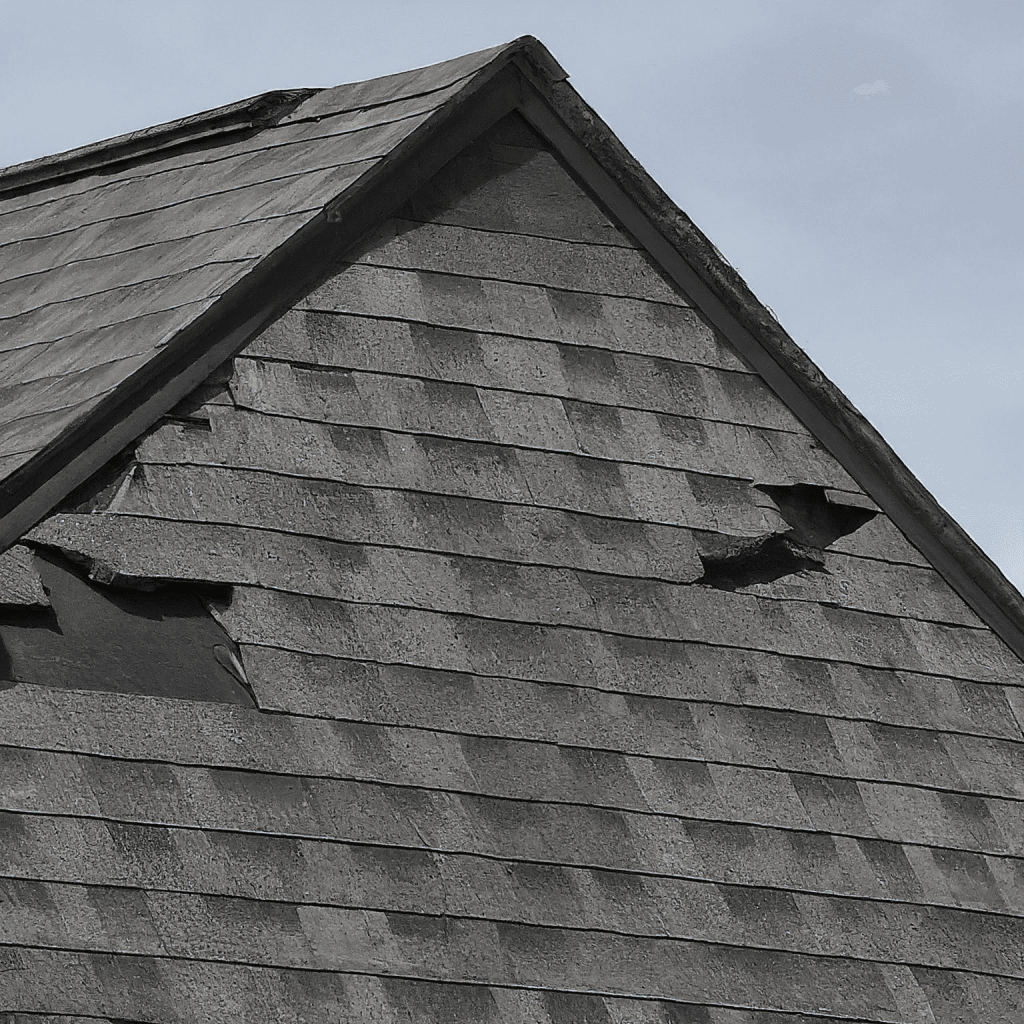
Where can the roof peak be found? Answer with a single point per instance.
(267, 109)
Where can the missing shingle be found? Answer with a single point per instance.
(735, 562)
(194, 410)
(98, 492)
(163, 642)
(815, 519)
(196, 422)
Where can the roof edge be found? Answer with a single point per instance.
(692, 260)
(253, 113)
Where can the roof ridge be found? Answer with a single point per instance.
(376, 92)
(256, 112)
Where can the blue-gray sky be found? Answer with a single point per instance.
(861, 163)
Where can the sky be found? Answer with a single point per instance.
(860, 163)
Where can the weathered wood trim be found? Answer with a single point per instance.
(628, 192)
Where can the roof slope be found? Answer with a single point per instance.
(129, 270)
(534, 742)
(585, 685)
(109, 252)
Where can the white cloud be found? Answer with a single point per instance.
(869, 89)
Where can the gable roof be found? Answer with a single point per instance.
(129, 270)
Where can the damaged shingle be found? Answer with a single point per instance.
(815, 521)
(734, 562)
(163, 643)
(815, 518)
(104, 488)
(215, 390)
(20, 585)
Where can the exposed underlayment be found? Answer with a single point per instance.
(816, 518)
(814, 523)
(125, 633)
(544, 666)
(162, 642)
(742, 561)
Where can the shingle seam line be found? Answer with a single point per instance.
(286, 474)
(644, 812)
(575, 929)
(391, 975)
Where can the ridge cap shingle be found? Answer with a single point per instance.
(375, 92)
(256, 112)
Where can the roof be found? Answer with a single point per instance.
(130, 269)
(484, 639)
